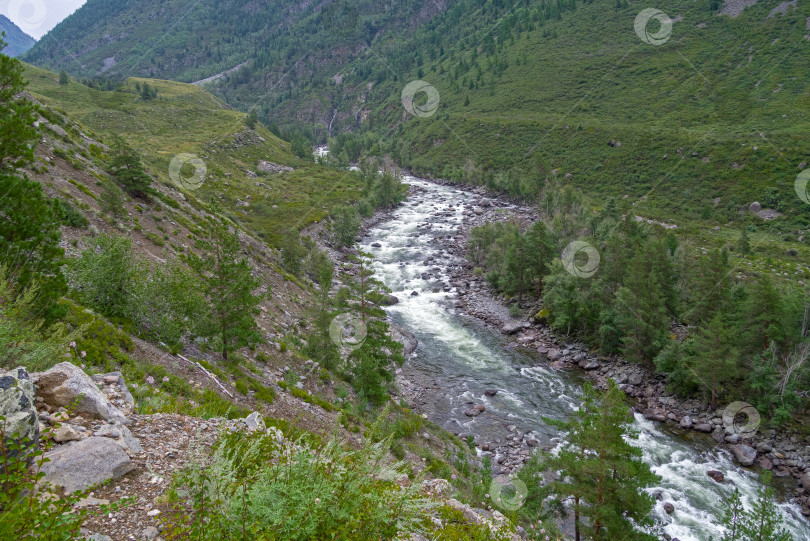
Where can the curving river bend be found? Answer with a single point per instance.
(460, 358)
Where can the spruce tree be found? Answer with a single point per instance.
(229, 287)
(540, 254)
(641, 307)
(63, 78)
(716, 358)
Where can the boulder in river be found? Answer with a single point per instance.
(669, 508)
(703, 427)
(491, 392)
(686, 422)
(475, 411)
(716, 475)
(745, 454)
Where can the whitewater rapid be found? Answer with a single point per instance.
(462, 358)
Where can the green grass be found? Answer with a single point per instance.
(186, 119)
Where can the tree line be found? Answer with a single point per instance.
(689, 313)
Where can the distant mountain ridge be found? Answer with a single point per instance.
(18, 41)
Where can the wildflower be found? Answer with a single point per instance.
(73, 344)
(317, 500)
(67, 354)
(150, 380)
(165, 379)
(84, 354)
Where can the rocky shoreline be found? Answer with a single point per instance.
(786, 454)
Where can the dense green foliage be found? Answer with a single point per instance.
(29, 222)
(263, 486)
(748, 335)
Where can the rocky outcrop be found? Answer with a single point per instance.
(85, 463)
(17, 407)
(66, 384)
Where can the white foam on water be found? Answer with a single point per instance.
(696, 497)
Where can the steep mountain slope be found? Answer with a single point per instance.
(18, 41)
(239, 164)
(261, 51)
(706, 106)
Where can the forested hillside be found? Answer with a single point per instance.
(525, 90)
(18, 41)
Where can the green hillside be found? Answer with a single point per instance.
(18, 41)
(185, 119)
(717, 110)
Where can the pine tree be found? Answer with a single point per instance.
(229, 286)
(345, 225)
(111, 200)
(600, 471)
(128, 171)
(710, 287)
(29, 243)
(514, 277)
(733, 517)
(63, 78)
(251, 120)
(540, 253)
(371, 363)
(17, 116)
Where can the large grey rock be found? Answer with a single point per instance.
(66, 383)
(17, 406)
(85, 463)
(745, 454)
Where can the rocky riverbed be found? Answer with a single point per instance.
(784, 453)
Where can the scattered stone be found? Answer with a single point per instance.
(511, 327)
(85, 463)
(686, 422)
(253, 421)
(704, 427)
(150, 532)
(66, 433)
(755, 206)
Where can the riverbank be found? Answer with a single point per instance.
(784, 453)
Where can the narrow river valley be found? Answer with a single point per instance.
(460, 362)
